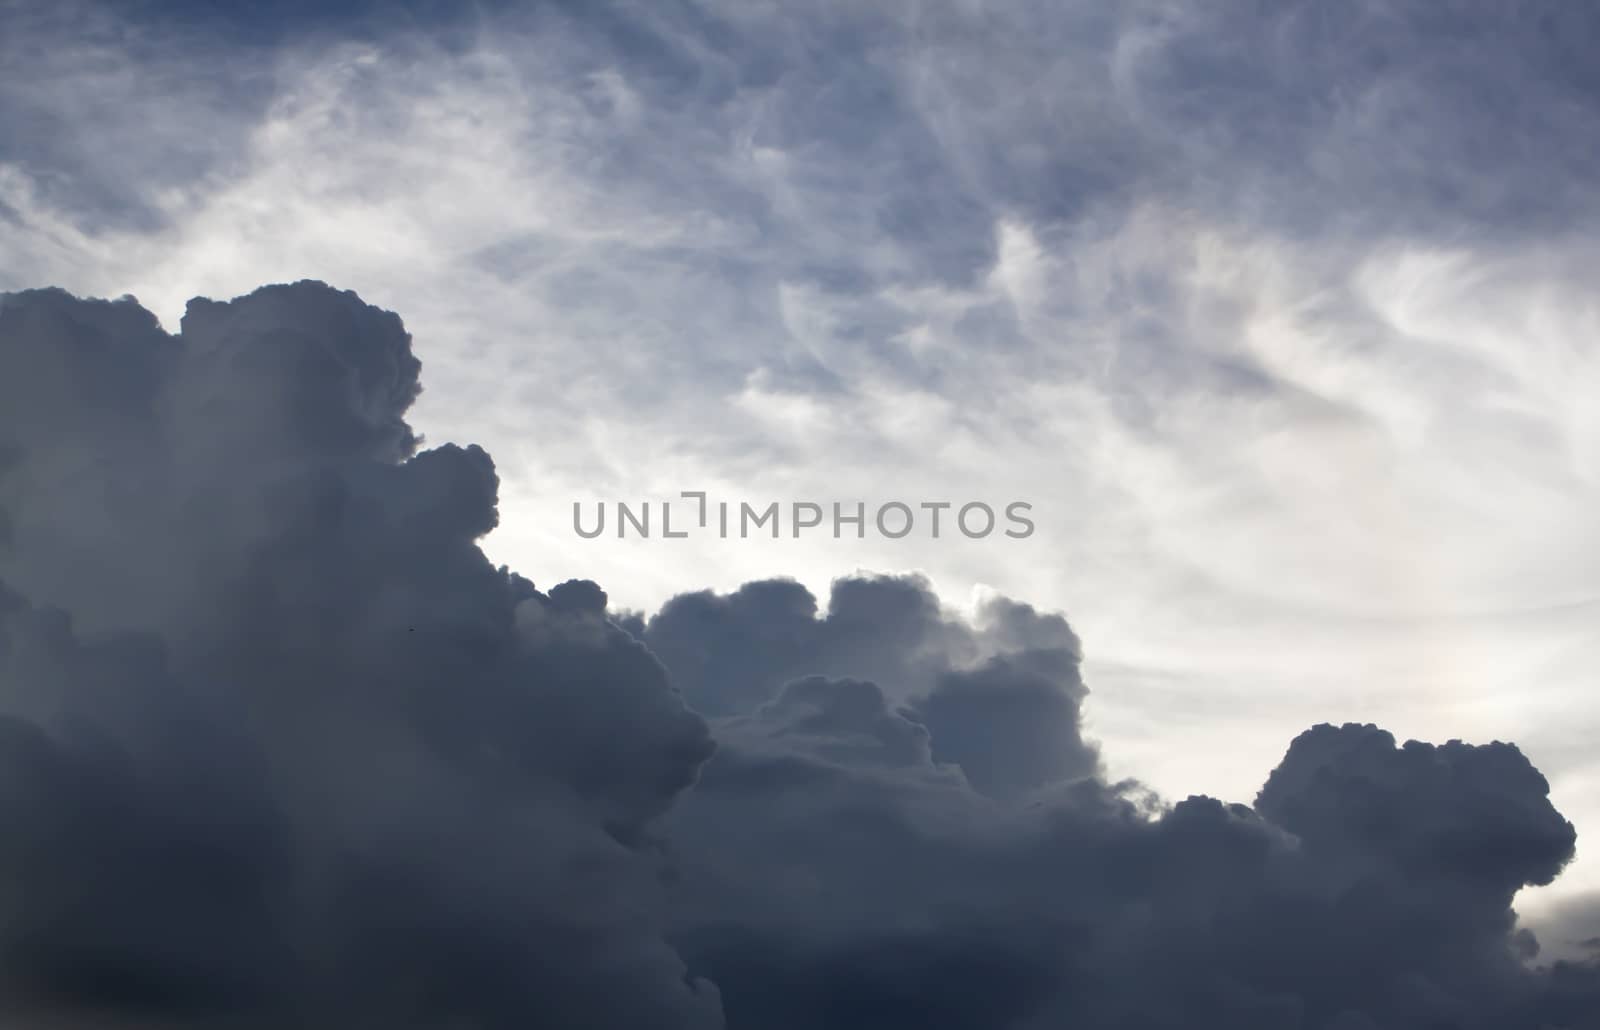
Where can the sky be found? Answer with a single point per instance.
(1279, 315)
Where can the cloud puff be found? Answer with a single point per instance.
(837, 876)
(850, 861)
(1001, 693)
(334, 766)
(279, 745)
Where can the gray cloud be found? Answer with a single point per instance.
(335, 768)
(833, 883)
(845, 860)
(281, 745)
(1000, 693)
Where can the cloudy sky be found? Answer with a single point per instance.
(1281, 316)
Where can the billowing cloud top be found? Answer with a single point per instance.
(280, 746)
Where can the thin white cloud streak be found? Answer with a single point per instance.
(1277, 480)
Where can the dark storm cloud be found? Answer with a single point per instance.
(835, 876)
(279, 746)
(335, 769)
(845, 863)
(140, 831)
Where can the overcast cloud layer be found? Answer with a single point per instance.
(1281, 316)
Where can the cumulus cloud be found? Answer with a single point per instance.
(1001, 692)
(282, 745)
(848, 861)
(278, 744)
